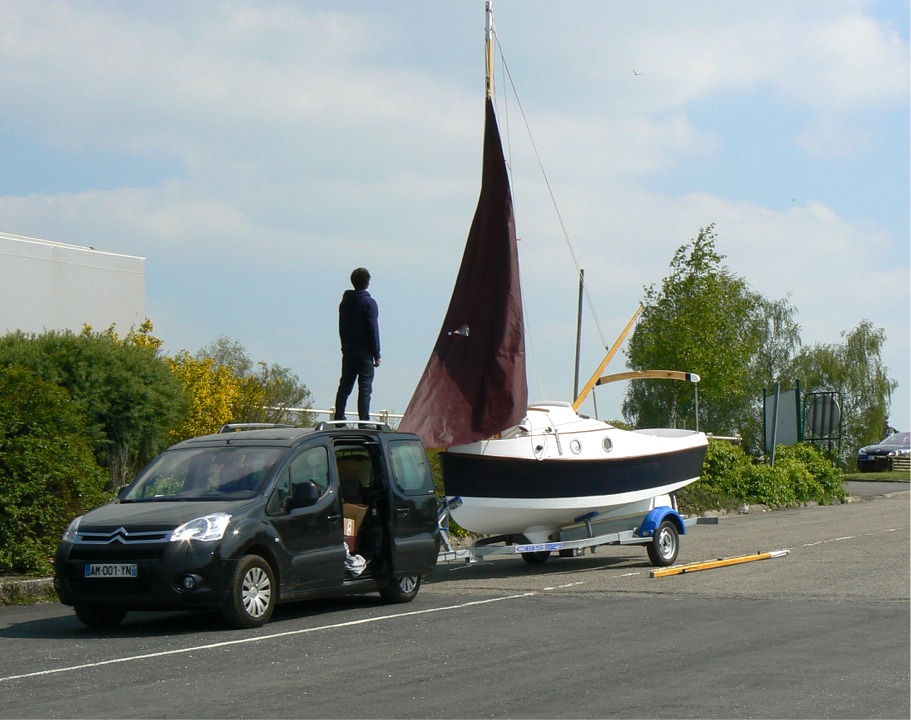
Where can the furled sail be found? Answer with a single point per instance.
(474, 385)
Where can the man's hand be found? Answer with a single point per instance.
(376, 362)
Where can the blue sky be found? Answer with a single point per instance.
(255, 153)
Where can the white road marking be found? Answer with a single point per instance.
(273, 636)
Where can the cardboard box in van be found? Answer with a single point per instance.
(353, 517)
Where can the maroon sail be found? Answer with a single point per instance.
(474, 385)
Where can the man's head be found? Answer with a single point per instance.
(360, 279)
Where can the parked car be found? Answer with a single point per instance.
(241, 521)
(879, 457)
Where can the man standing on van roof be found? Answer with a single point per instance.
(359, 331)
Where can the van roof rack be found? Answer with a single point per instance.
(352, 424)
(237, 427)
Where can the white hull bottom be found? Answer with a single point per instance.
(540, 519)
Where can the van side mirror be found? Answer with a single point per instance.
(303, 494)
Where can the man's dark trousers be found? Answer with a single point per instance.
(355, 366)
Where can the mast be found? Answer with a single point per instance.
(474, 385)
(488, 47)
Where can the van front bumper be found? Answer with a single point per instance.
(168, 576)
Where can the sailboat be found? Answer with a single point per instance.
(509, 468)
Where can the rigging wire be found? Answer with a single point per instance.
(528, 333)
(553, 198)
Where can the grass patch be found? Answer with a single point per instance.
(891, 476)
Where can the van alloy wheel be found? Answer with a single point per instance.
(252, 598)
(401, 590)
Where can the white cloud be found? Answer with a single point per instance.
(308, 140)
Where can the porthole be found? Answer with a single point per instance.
(575, 446)
(607, 444)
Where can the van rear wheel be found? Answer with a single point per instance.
(401, 590)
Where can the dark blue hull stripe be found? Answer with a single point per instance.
(494, 477)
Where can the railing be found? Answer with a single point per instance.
(384, 416)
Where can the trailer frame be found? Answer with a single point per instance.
(587, 532)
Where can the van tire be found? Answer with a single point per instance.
(252, 594)
(401, 590)
(99, 617)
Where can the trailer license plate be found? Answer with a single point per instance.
(111, 570)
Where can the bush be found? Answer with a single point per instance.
(730, 477)
(126, 393)
(48, 473)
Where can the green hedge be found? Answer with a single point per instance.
(48, 472)
(730, 478)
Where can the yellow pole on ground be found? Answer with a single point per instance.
(712, 564)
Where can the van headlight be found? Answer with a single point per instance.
(205, 529)
(70, 534)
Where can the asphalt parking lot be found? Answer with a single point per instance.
(820, 632)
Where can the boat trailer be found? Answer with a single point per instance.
(658, 530)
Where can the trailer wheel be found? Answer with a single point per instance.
(665, 544)
(536, 558)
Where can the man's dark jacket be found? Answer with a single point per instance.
(357, 323)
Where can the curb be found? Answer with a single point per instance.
(16, 591)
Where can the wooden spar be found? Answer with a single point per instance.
(610, 356)
(488, 47)
(712, 564)
(649, 375)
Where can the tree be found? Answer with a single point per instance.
(855, 369)
(779, 341)
(702, 319)
(48, 472)
(213, 391)
(124, 389)
(265, 391)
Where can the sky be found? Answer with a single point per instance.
(256, 153)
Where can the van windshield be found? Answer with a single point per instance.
(222, 473)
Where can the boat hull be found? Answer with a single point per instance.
(557, 467)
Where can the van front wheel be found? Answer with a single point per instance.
(401, 590)
(252, 594)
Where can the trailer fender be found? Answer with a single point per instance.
(657, 516)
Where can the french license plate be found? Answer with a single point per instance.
(111, 570)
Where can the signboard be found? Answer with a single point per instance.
(783, 429)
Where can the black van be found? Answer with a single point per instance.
(244, 520)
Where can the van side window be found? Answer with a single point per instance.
(312, 464)
(410, 468)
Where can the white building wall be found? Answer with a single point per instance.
(47, 285)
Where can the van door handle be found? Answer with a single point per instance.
(402, 510)
(334, 518)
